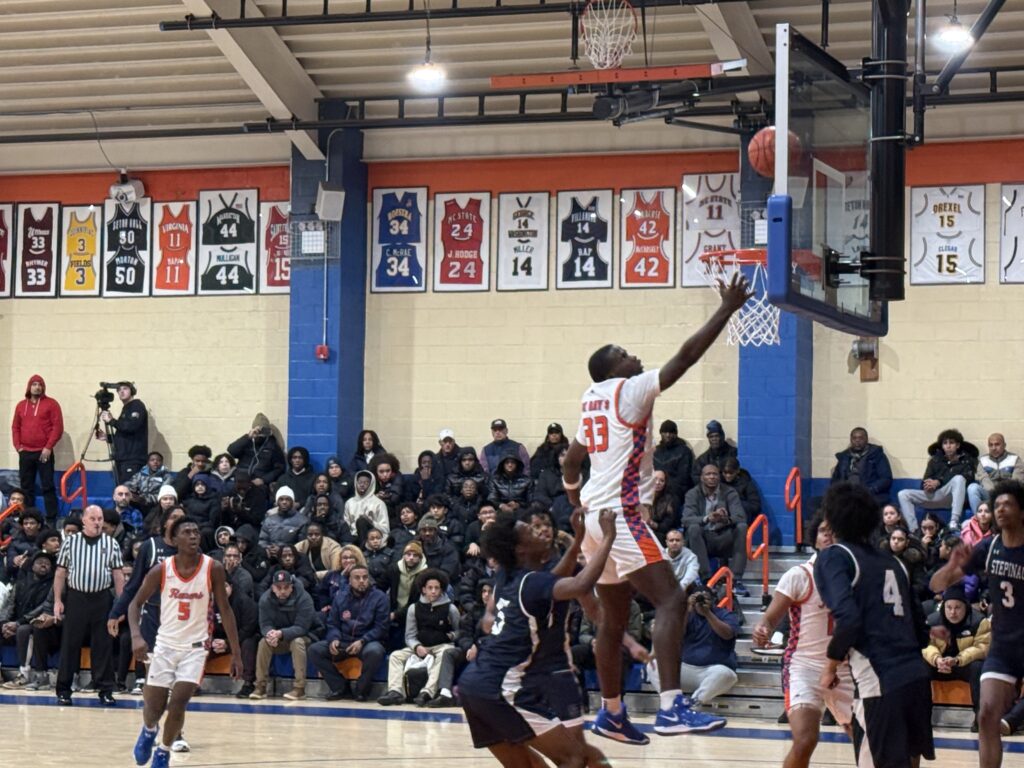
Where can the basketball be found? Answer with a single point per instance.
(761, 150)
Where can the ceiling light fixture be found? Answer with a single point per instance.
(427, 76)
(954, 36)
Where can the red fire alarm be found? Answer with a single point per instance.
(323, 352)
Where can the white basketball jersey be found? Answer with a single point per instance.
(716, 205)
(947, 235)
(1011, 241)
(185, 606)
(615, 426)
(810, 622)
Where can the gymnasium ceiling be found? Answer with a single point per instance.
(74, 67)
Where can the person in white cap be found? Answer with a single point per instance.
(282, 525)
(446, 460)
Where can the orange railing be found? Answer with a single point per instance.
(78, 493)
(3, 516)
(794, 503)
(723, 573)
(761, 553)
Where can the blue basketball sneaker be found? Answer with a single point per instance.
(161, 758)
(144, 745)
(680, 718)
(618, 727)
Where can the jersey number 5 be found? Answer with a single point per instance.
(184, 610)
(595, 430)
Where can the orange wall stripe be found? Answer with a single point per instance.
(273, 183)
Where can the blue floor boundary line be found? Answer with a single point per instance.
(306, 710)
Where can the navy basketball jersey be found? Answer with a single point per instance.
(398, 234)
(127, 234)
(584, 230)
(527, 638)
(1003, 567)
(875, 614)
(229, 226)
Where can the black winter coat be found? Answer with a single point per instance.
(261, 457)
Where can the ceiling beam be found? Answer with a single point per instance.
(734, 34)
(264, 62)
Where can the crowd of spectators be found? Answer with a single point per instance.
(358, 558)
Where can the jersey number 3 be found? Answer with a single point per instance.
(595, 430)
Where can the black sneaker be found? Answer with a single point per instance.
(245, 690)
(107, 699)
(64, 700)
(441, 701)
(422, 699)
(391, 698)
(338, 695)
(828, 718)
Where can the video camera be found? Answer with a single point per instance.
(105, 397)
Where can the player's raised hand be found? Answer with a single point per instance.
(735, 294)
(960, 555)
(606, 519)
(577, 523)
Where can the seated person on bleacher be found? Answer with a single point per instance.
(980, 527)
(958, 643)
(891, 521)
(246, 614)
(357, 626)
(952, 464)
(584, 635)
(145, 483)
(379, 557)
(286, 616)
(736, 477)
(319, 551)
(32, 590)
(719, 449)
(708, 668)
(715, 525)
(666, 509)
(684, 563)
(448, 524)
(23, 544)
(864, 463)
(998, 464)
(283, 525)
(366, 509)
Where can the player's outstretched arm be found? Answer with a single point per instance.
(567, 564)
(583, 582)
(734, 295)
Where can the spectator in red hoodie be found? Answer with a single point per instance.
(37, 426)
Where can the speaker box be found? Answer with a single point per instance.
(330, 202)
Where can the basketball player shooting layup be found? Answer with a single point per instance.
(615, 429)
(175, 666)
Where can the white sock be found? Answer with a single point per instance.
(154, 729)
(445, 692)
(668, 697)
(612, 705)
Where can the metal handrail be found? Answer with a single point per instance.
(78, 493)
(11, 509)
(794, 502)
(723, 573)
(760, 524)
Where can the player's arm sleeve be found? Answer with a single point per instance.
(120, 607)
(976, 563)
(834, 572)
(636, 397)
(536, 593)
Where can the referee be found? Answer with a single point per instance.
(88, 564)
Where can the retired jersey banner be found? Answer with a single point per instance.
(126, 247)
(523, 243)
(947, 235)
(80, 250)
(6, 249)
(1011, 234)
(38, 230)
(275, 248)
(711, 221)
(462, 241)
(398, 247)
(174, 249)
(227, 241)
(584, 239)
(647, 236)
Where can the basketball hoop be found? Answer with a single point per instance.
(757, 322)
(608, 29)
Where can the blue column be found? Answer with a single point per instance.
(325, 398)
(775, 417)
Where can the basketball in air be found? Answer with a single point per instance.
(761, 150)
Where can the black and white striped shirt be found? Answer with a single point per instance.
(90, 562)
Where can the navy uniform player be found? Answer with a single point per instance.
(520, 693)
(880, 626)
(1000, 560)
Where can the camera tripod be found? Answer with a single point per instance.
(101, 431)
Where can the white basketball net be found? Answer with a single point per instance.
(608, 28)
(757, 322)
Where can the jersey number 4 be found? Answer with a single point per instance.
(891, 593)
(595, 431)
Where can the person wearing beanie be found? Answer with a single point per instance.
(258, 453)
(674, 457)
(437, 550)
(37, 426)
(546, 455)
(959, 640)
(401, 576)
(145, 484)
(282, 525)
(717, 453)
(203, 506)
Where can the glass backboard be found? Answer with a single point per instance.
(821, 197)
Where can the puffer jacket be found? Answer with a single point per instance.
(517, 487)
(972, 644)
(455, 479)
